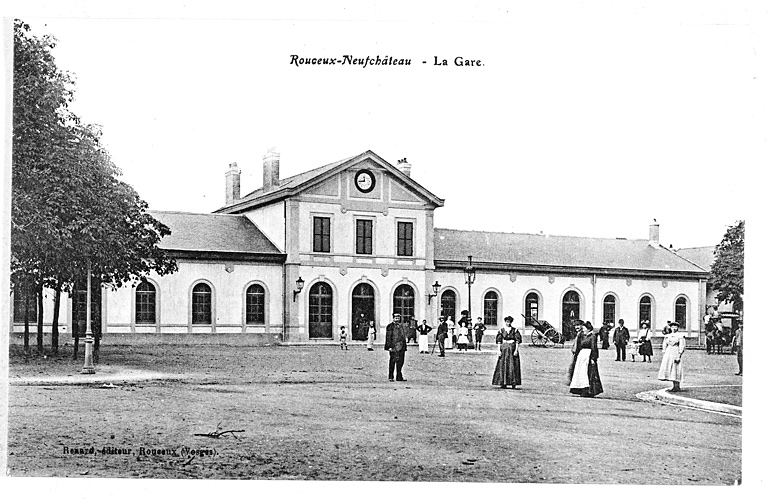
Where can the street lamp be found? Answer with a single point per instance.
(469, 278)
(299, 287)
(88, 367)
(435, 287)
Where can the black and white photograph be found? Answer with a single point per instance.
(497, 244)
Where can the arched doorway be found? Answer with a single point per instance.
(448, 305)
(571, 312)
(320, 311)
(363, 310)
(404, 303)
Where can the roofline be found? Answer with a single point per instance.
(238, 256)
(563, 269)
(687, 260)
(282, 193)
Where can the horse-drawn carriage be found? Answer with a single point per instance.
(544, 334)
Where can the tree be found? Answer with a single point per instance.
(69, 210)
(728, 269)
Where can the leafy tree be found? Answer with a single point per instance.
(69, 210)
(728, 268)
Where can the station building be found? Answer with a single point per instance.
(293, 261)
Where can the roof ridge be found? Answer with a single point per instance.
(175, 212)
(541, 235)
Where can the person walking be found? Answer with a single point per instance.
(620, 339)
(605, 334)
(644, 337)
(442, 334)
(479, 328)
(395, 343)
(423, 331)
(371, 335)
(671, 368)
(738, 347)
(507, 371)
(583, 376)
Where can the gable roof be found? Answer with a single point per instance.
(537, 252)
(704, 256)
(298, 183)
(216, 236)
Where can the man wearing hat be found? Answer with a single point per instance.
(620, 339)
(395, 343)
(442, 334)
(738, 347)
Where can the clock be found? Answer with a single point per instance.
(365, 181)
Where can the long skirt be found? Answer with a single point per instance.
(507, 371)
(646, 348)
(370, 340)
(586, 378)
(423, 343)
(669, 369)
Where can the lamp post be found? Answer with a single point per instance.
(88, 367)
(469, 278)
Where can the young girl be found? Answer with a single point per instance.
(343, 338)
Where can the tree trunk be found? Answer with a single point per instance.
(26, 321)
(40, 317)
(55, 325)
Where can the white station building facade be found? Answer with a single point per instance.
(301, 256)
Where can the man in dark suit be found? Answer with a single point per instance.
(395, 342)
(605, 332)
(442, 334)
(620, 339)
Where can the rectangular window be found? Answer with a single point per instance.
(322, 235)
(364, 233)
(404, 238)
(145, 307)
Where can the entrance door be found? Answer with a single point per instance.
(320, 311)
(571, 312)
(363, 308)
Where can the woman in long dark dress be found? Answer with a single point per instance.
(583, 376)
(507, 371)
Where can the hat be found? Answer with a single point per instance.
(578, 322)
(674, 324)
(509, 318)
(588, 325)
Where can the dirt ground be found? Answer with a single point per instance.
(318, 413)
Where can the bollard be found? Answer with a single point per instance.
(88, 367)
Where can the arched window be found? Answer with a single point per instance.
(201, 304)
(646, 311)
(448, 304)
(146, 303)
(404, 302)
(491, 309)
(531, 308)
(609, 309)
(681, 312)
(571, 312)
(254, 304)
(20, 294)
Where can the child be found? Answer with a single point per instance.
(343, 338)
(479, 328)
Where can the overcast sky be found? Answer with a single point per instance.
(585, 119)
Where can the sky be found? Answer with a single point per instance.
(584, 118)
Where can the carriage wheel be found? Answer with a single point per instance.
(537, 338)
(554, 335)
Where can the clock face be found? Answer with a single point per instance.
(364, 181)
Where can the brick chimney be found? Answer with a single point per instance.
(653, 234)
(233, 184)
(271, 168)
(404, 166)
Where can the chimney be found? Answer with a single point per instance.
(653, 234)
(404, 166)
(271, 168)
(233, 184)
